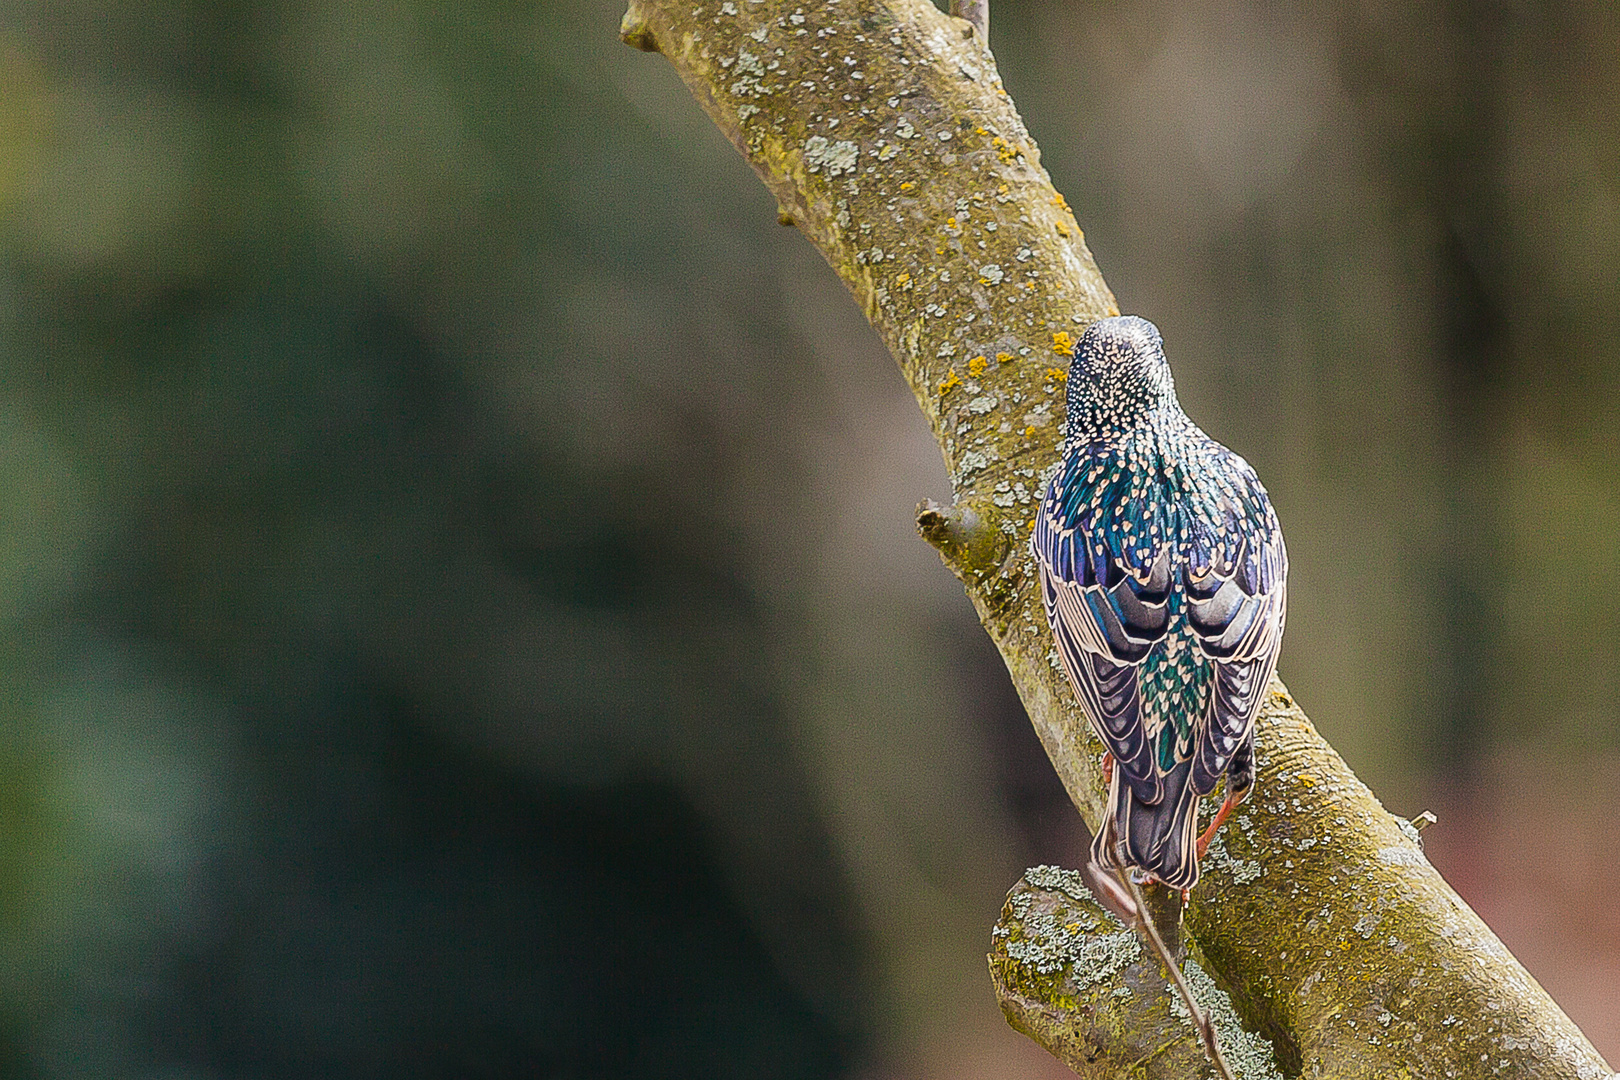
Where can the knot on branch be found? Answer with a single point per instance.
(636, 31)
(967, 536)
(977, 14)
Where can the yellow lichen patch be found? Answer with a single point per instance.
(906, 185)
(950, 382)
(1029, 431)
(1057, 374)
(1062, 342)
(950, 222)
(1004, 357)
(1063, 230)
(977, 365)
(1059, 201)
(903, 281)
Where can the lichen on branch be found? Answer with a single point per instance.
(1057, 954)
(884, 132)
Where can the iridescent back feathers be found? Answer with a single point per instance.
(1164, 578)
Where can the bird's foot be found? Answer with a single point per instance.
(1145, 880)
(1108, 767)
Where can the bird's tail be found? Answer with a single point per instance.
(1156, 838)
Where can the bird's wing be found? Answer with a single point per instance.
(1235, 574)
(1106, 551)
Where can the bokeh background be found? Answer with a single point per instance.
(459, 610)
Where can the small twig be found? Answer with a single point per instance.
(976, 12)
(967, 536)
(1206, 1029)
(1110, 894)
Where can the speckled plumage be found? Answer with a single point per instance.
(1163, 571)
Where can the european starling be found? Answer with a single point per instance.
(1163, 572)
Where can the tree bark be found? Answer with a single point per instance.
(883, 130)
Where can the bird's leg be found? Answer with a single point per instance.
(1108, 767)
(1228, 804)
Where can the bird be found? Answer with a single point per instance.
(1164, 578)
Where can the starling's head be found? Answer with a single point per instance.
(1119, 378)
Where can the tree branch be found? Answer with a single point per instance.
(883, 130)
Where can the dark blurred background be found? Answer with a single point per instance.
(459, 610)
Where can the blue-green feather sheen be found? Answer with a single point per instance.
(1129, 496)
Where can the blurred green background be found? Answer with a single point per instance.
(459, 611)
